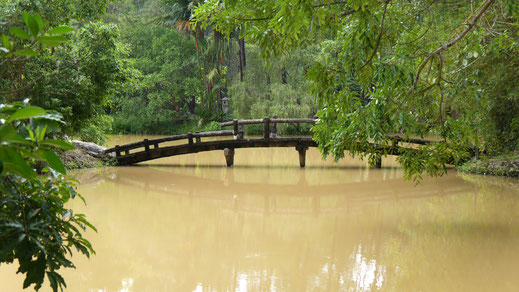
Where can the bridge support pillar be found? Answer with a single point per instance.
(229, 156)
(302, 154)
(378, 162)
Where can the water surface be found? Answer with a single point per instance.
(189, 223)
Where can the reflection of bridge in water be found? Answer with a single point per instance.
(301, 197)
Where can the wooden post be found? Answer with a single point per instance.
(266, 129)
(146, 145)
(117, 151)
(378, 161)
(190, 138)
(229, 156)
(197, 138)
(235, 129)
(302, 155)
(156, 145)
(274, 130)
(127, 152)
(241, 132)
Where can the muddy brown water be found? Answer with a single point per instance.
(189, 223)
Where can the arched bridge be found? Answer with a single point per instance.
(150, 149)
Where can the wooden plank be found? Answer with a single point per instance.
(155, 142)
(214, 133)
(245, 143)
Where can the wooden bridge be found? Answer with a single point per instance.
(150, 149)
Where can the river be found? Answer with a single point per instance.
(189, 223)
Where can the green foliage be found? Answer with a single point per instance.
(77, 78)
(17, 44)
(169, 82)
(96, 129)
(56, 12)
(182, 73)
(278, 90)
(35, 227)
(494, 81)
(393, 67)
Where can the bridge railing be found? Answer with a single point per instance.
(269, 128)
(269, 132)
(147, 143)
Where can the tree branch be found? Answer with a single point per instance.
(451, 42)
(29, 85)
(330, 4)
(379, 36)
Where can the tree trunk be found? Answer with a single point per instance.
(241, 42)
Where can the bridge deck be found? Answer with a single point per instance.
(150, 154)
(149, 149)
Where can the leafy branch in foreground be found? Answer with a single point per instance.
(36, 229)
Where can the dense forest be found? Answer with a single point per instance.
(368, 70)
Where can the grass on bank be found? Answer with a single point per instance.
(502, 165)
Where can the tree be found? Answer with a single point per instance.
(35, 227)
(279, 90)
(168, 82)
(385, 68)
(77, 78)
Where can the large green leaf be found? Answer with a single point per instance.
(59, 144)
(26, 52)
(38, 21)
(35, 272)
(60, 30)
(54, 161)
(19, 33)
(53, 116)
(27, 112)
(52, 41)
(17, 139)
(15, 163)
(26, 18)
(6, 132)
(5, 42)
(33, 24)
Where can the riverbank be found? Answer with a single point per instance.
(86, 155)
(502, 165)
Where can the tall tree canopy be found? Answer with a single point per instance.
(77, 78)
(390, 67)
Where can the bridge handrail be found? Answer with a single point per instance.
(275, 120)
(272, 121)
(155, 142)
(270, 139)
